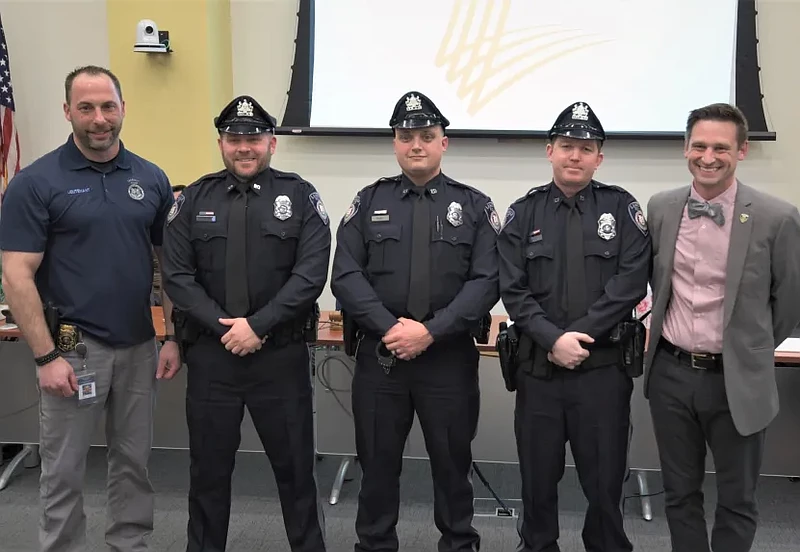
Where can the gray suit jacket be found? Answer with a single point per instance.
(762, 294)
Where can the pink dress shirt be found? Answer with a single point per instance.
(694, 317)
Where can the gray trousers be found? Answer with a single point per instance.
(690, 410)
(125, 379)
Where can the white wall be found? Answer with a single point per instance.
(339, 167)
(46, 40)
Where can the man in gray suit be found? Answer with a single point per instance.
(725, 282)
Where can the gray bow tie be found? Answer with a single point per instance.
(711, 210)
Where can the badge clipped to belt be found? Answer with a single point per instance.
(67, 337)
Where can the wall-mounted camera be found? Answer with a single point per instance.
(150, 39)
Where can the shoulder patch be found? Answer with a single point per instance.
(352, 210)
(637, 216)
(319, 207)
(494, 218)
(176, 208)
(510, 214)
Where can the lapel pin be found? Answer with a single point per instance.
(743, 217)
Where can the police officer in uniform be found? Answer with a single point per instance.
(246, 255)
(574, 262)
(416, 269)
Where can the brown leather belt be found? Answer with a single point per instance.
(699, 361)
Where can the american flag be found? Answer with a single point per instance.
(9, 141)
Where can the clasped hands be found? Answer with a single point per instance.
(240, 339)
(567, 351)
(407, 339)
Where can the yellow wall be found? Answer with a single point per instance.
(172, 99)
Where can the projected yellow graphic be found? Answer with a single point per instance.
(487, 59)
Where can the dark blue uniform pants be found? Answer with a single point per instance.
(274, 384)
(441, 386)
(591, 410)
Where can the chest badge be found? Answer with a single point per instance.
(455, 214)
(134, 190)
(282, 207)
(607, 226)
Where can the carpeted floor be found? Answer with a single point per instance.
(256, 523)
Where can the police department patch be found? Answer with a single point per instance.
(352, 210)
(494, 218)
(316, 202)
(134, 190)
(176, 208)
(637, 216)
(510, 214)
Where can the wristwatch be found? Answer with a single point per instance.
(170, 337)
(48, 358)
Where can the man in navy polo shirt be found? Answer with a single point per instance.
(77, 233)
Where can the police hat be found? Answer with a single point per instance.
(578, 121)
(244, 115)
(416, 110)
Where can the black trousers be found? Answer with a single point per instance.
(690, 409)
(441, 386)
(275, 386)
(591, 410)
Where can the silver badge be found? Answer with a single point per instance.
(606, 226)
(316, 202)
(580, 112)
(244, 109)
(454, 214)
(283, 207)
(134, 190)
(413, 103)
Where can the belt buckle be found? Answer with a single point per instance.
(696, 357)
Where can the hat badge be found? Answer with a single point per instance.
(580, 112)
(244, 109)
(413, 103)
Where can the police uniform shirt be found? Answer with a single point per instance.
(288, 249)
(616, 249)
(371, 267)
(96, 224)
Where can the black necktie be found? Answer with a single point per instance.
(576, 270)
(419, 291)
(237, 300)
